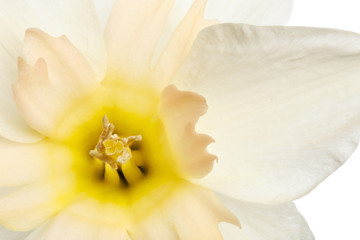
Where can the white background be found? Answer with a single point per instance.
(333, 208)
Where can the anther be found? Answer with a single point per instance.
(111, 148)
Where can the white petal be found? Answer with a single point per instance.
(258, 12)
(283, 106)
(12, 126)
(265, 222)
(57, 17)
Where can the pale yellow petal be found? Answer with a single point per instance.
(190, 213)
(68, 225)
(45, 193)
(85, 219)
(32, 205)
(132, 34)
(23, 163)
(180, 43)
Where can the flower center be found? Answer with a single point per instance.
(111, 148)
(120, 164)
(125, 159)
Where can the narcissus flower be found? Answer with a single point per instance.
(98, 133)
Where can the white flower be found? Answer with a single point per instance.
(282, 102)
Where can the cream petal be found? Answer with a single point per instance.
(179, 111)
(283, 106)
(265, 222)
(257, 12)
(33, 204)
(23, 163)
(180, 43)
(132, 34)
(57, 77)
(66, 64)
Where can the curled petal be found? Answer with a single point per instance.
(179, 111)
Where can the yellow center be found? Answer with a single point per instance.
(130, 164)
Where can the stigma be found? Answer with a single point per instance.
(111, 148)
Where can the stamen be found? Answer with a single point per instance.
(111, 148)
